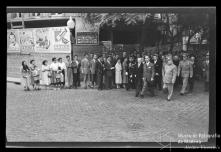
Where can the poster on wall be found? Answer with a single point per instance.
(61, 39)
(26, 41)
(42, 40)
(13, 41)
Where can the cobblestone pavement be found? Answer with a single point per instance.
(108, 115)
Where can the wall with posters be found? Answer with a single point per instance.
(13, 41)
(61, 39)
(26, 41)
(41, 40)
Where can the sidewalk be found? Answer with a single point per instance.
(14, 80)
(108, 115)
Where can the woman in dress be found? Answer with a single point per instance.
(35, 75)
(45, 69)
(54, 69)
(125, 73)
(118, 76)
(25, 71)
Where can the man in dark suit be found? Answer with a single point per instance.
(138, 70)
(109, 74)
(148, 76)
(93, 70)
(158, 72)
(131, 71)
(100, 71)
(78, 70)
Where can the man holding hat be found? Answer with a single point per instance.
(185, 69)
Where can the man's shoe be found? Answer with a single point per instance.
(142, 96)
(168, 99)
(181, 94)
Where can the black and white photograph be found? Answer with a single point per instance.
(106, 74)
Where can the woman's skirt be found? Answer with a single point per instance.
(53, 77)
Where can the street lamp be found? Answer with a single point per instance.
(71, 25)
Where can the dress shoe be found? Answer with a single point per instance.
(168, 99)
(181, 94)
(142, 96)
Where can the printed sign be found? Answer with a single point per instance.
(42, 40)
(87, 38)
(26, 40)
(61, 39)
(13, 41)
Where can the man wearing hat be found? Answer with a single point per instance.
(206, 72)
(185, 69)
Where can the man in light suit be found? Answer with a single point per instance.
(85, 69)
(169, 74)
(93, 70)
(185, 69)
(148, 76)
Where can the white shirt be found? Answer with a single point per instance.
(54, 66)
(62, 65)
(139, 65)
(77, 62)
(148, 63)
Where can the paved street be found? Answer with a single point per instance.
(109, 115)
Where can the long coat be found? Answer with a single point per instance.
(206, 71)
(108, 70)
(85, 66)
(185, 69)
(118, 76)
(69, 73)
(169, 73)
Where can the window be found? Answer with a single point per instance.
(16, 15)
(35, 14)
(57, 14)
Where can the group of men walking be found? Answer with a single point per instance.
(139, 73)
(130, 72)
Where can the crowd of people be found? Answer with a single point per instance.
(134, 71)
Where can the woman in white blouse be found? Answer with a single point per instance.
(118, 76)
(45, 69)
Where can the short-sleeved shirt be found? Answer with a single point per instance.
(62, 65)
(54, 66)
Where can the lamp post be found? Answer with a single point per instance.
(71, 25)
